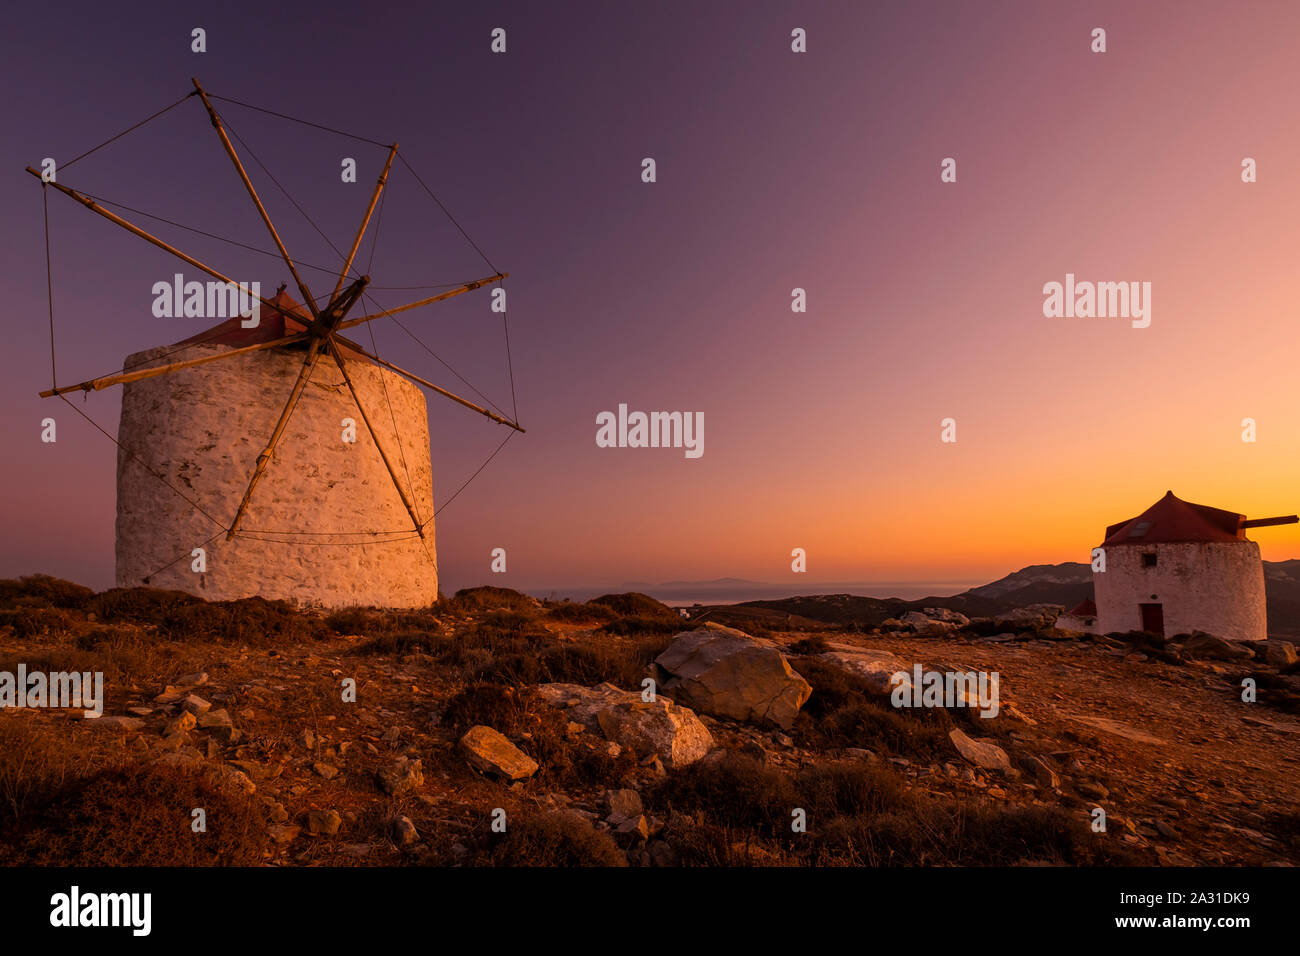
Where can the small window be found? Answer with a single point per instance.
(1148, 560)
(1140, 529)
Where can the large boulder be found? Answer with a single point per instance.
(1207, 647)
(727, 673)
(659, 727)
(1277, 652)
(1030, 616)
(876, 667)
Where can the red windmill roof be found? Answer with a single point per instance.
(1172, 519)
(287, 318)
(1084, 608)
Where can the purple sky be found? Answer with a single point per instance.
(775, 171)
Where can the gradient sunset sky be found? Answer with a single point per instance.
(775, 170)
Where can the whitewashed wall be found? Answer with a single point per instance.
(1217, 587)
(203, 428)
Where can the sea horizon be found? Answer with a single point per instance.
(685, 594)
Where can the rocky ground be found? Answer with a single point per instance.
(493, 729)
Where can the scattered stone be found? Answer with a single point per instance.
(183, 757)
(195, 679)
(623, 803)
(662, 728)
(181, 724)
(1276, 652)
(490, 752)
(404, 775)
(326, 770)
(1032, 616)
(214, 718)
(139, 711)
(636, 829)
(985, 755)
(323, 822)
(662, 853)
(1091, 789)
(195, 704)
(404, 832)
(1044, 775)
(229, 778)
(283, 833)
(727, 673)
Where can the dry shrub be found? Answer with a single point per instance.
(645, 625)
(584, 613)
(850, 789)
(403, 642)
(486, 598)
(180, 616)
(34, 765)
(623, 663)
(734, 791)
(42, 589)
(503, 708)
(31, 621)
(637, 605)
(254, 621)
(929, 833)
(813, 644)
(556, 839)
(140, 815)
(354, 620)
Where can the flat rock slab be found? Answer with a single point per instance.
(1118, 729)
(982, 753)
(876, 667)
(488, 751)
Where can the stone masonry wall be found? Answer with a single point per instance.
(202, 429)
(1216, 587)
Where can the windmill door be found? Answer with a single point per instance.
(1153, 618)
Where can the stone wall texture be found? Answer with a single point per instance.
(202, 429)
(1216, 587)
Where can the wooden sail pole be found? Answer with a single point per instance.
(248, 184)
(95, 384)
(132, 228)
(429, 385)
(374, 198)
(320, 335)
(392, 473)
(467, 287)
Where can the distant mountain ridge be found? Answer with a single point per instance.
(1065, 584)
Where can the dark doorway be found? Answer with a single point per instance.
(1153, 618)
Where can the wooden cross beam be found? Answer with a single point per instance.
(321, 334)
(307, 298)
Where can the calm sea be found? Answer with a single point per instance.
(678, 595)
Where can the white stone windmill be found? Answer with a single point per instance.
(304, 514)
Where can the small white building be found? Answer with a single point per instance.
(1180, 567)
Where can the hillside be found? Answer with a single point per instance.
(1065, 584)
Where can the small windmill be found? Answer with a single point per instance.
(318, 331)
